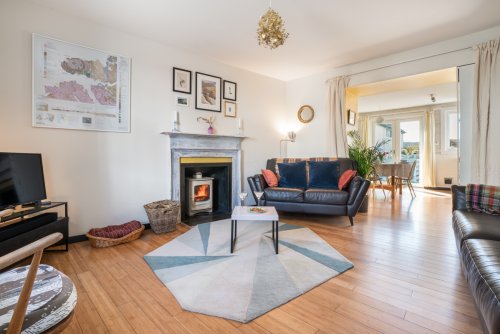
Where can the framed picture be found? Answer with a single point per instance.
(229, 109)
(351, 117)
(208, 92)
(181, 81)
(77, 87)
(229, 90)
(182, 101)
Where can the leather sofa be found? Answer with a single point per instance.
(316, 201)
(478, 241)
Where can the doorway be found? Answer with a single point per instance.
(408, 111)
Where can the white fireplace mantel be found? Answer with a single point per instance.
(183, 144)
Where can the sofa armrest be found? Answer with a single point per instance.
(458, 197)
(357, 191)
(257, 183)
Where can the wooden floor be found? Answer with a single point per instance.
(406, 279)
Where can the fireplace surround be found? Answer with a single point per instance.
(209, 154)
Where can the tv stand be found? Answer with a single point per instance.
(29, 224)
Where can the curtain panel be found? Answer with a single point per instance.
(486, 114)
(337, 115)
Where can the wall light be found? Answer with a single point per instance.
(291, 138)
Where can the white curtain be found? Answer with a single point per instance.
(337, 115)
(429, 154)
(486, 114)
(363, 128)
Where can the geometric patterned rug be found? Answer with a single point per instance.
(202, 274)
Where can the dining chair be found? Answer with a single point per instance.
(400, 180)
(35, 298)
(374, 178)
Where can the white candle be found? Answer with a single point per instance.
(240, 123)
(176, 117)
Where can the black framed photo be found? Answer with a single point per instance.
(181, 80)
(229, 90)
(351, 117)
(208, 92)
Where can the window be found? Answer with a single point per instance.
(450, 131)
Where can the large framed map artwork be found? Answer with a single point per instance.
(75, 87)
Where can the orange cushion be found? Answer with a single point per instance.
(270, 177)
(345, 178)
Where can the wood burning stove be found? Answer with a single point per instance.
(200, 195)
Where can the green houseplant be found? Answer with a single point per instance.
(366, 158)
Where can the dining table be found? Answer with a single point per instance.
(391, 170)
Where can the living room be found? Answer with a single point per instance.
(106, 177)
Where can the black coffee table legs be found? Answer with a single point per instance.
(234, 229)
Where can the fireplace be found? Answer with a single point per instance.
(216, 156)
(205, 186)
(199, 195)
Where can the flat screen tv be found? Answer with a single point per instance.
(21, 179)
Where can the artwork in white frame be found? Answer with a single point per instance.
(77, 87)
(182, 101)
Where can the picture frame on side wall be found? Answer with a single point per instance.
(229, 90)
(181, 80)
(229, 109)
(208, 92)
(351, 117)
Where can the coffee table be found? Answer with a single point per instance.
(244, 213)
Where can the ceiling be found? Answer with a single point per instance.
(410, 91)
(323, 33)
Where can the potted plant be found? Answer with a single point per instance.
(366, 158)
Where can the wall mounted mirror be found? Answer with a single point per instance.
(305, 114)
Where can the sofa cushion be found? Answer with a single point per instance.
(270, 177)
(346, 178)
(324, 174)
(483, 198)
(292, 175)
(474, 225)
(326, 196)
(481, 262)
(279, 194)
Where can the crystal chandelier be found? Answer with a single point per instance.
(271, 32)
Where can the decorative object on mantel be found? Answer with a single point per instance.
(229, 109)
(271, 32)
(305, 114)
(240, 127)
(176, 124)
(229, 90)
(208, 92)
(181, 81)
(210, 121)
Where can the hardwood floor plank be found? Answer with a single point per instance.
(406, 279)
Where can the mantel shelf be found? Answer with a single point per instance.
(203, 135)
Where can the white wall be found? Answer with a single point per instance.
(107, 177)
(312, 138)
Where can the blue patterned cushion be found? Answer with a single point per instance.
(292, 175)
(324, 174)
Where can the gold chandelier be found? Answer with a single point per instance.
(271, 32)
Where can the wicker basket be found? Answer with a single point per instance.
(163, 215)
(99, 242)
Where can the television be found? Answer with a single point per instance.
(21, 179)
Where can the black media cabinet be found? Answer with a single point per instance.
(28, 225)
